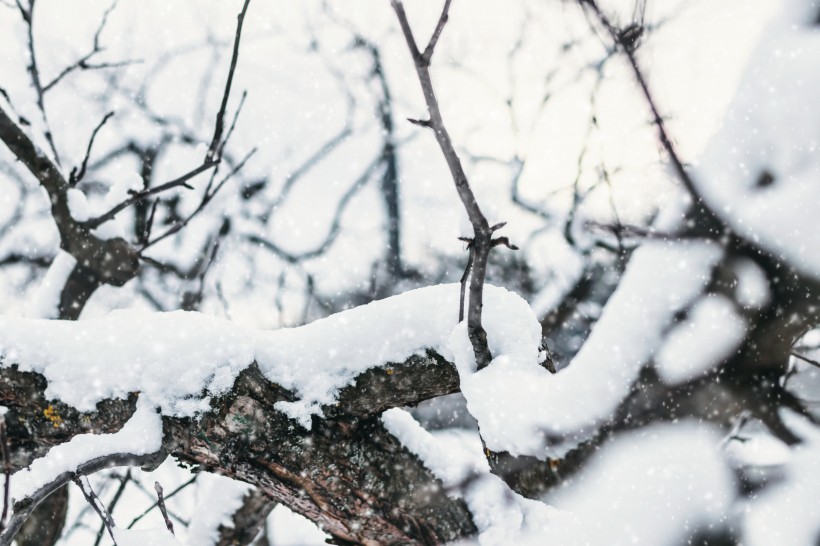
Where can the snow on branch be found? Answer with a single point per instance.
(761, 169)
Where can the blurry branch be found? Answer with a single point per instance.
(173, 493)
(83, 62)
(335, 224)
(113, 504)
(247, 521)
(210, 193)
(627, 40)
(482, 241)
(95, 502)
(389, 180)
(806, 359)
(191, 296)
(34, 73)
(213, 156)
(77, 174)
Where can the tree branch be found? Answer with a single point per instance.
(333, 474)
(482, 233)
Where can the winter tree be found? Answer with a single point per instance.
(409, 272)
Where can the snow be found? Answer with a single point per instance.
(46, 301)
(653, 486)
(775, 104)
(180, 360)
(286, 528)
(175, 360)
(320, 358)
(518, 405)
(711, 332)
(757, 448)
(141, 435)
(145, 537)
(752, 286)
(218, 498)
(788, 513)
(501, 516)
(78, 205)
(675, 472)
(453, 456)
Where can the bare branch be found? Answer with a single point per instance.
(627, 39)
(97, 505)
(213, 157)
(77, 175)
(482, 234)
(161, 504)
(806, 359)
(215, 146)
(116, 499)
(4, 446)
(168, 496)
(136, 197)
(206, 198)
(431, 45)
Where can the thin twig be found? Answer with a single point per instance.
(34, 72)
(206, 198)
(117, 495)
(806, 359)
(220, 116)
(95, 503)
(4, 445)
(168, 496)
(627, 41)
(161, 504)
(213, 157)
(77, 175)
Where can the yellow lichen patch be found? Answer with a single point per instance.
(52, 415)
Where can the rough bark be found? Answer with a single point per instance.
(347, 474)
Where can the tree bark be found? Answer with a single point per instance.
(347, 474)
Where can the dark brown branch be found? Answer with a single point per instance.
(206, 198)
(213, 157)
(333, 474)
(111, 261)
(482, 234)
(136, 197)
